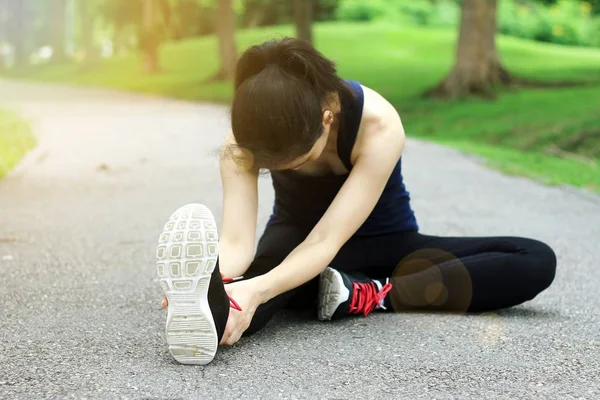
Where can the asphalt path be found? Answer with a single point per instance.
(80, 309)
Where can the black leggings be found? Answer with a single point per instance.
(429, 273)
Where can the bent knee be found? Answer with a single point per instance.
(543, 259)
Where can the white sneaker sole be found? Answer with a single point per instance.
(186, 256)
(332, 293)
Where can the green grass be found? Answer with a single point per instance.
(15, 140)
(549, 170)
(513, 132)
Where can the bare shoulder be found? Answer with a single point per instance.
(381, 126)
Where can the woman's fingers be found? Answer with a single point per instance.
(230, 328)
(233, 338)
(228, 335)
(226, 340)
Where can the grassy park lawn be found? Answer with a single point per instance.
(515, 132)
(15, 140)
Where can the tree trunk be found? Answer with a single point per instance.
(3, 33)
(226, 37)
(252, 14)
(149, 37)
(59, 22)
(478, 68)
(303, 17)
(499, 75)
(87, 26)
(19, 33)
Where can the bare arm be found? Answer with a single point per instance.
(378, 154)
(240, 208)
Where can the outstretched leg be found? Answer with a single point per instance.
(276, 243)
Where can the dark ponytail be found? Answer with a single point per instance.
(281, 88)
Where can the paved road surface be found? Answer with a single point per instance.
(79, 302)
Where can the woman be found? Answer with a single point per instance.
(342, 233)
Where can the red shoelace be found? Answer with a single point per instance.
(365, 297)
(232, 303)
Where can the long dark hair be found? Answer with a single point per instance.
(281, 89)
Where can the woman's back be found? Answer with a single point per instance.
(303, 198)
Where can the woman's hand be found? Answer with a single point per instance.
(247, 295)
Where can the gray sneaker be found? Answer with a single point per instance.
(187, 265)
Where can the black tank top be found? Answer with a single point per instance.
(303, 199)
